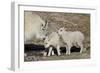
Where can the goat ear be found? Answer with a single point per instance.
(46, 35)
(63, 27)
(46, 22)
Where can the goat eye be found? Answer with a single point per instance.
(60, 30)
(46, 43)
(42, 25)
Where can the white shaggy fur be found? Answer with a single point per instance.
(72, 38)
(34, 26)
(53, 40)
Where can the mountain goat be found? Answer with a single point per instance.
(53, 40)
(71, 38)
(34, 26)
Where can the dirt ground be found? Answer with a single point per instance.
(33, 56)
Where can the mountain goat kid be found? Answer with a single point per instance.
(71, 39)
(52, 40)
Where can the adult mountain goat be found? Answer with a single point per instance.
(35, 26)
(71, 38)
(53, 40)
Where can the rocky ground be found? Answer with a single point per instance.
(38, 56)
